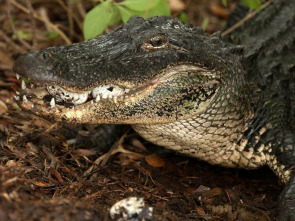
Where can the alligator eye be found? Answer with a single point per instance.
(158, 40)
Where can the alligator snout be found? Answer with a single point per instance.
(32, 64)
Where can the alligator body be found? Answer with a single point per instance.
(179, 88)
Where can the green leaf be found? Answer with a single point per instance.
(140, 5)
(23, 35)
(50, 34)
(224, 2)
(205, 23)
(26, 80)
(253, 4)
(97, 19)
(182, 16)
(127, 13)
(116, 18)
(161, 9)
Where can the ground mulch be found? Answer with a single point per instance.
(45, 174)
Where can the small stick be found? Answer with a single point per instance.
(246, 18)
(24, 43)
(51, 25)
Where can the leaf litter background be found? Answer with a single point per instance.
(54, 171)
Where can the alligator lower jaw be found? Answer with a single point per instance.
(52, 101)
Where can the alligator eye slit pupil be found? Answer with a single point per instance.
(157, 41)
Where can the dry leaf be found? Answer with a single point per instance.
(200, 211)
(56, 174)
(219, 11)
(176, 5)
(154, 160)
(86, 152)
(3, 107)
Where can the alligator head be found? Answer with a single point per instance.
(147, 71)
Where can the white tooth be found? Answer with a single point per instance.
(127, 90)
(32, 105)
(105, 96)
(97, 98)
(31, 85)
(52, 103)
(25, 99)
(16, 98)
(126, 96)
(17, 76)
(23, 85)
(17, 92)
(136, 93)
(91, 101)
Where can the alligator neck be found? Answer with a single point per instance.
(217, 135)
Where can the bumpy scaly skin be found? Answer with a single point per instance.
(188, 92)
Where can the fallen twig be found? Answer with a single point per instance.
(246, 18)
(51, 25)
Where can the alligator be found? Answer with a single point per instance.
(228, 101)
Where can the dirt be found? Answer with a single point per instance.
(46, 175)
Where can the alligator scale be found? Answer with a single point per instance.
(179, 88)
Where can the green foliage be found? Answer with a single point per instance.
(182, 16)
(205, 23)
(97, 19)
(224, 2)
(140, 5)
(109, 12)
(253, 4)
(50, 34)
(23, 35)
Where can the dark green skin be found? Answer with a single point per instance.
(258, 85)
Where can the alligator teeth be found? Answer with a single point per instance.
(16, 98)
(17, 76)
(91, 102)
(31, 85)
(17, 92)
(52, 103)
(97, 98)
(61, 94)
(23, 85)
(104, 96)
(25, 99)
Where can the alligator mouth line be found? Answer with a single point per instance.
(56, 95)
